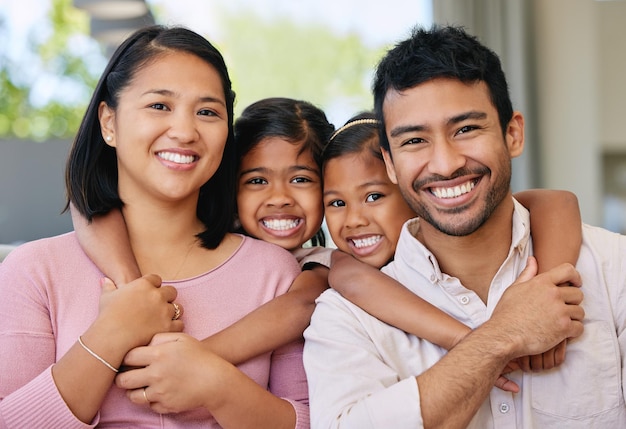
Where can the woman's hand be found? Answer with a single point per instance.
(176, 373)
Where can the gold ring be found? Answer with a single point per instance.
(176, 311)
(145, 396)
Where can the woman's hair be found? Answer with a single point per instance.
(441, 52)
(359, 133)
(91, 172)
(296, 121)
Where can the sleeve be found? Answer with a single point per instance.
(350, 384)
(287, 379)
(27, 349)
(619, 309)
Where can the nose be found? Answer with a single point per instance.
(445, 158)
(355, 217)
(279, 196)
(183, 127)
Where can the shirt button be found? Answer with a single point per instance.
(464, 299)
(504, 408)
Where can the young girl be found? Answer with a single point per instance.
(157, 141)
(365, 212)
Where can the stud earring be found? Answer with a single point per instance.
(109, 138)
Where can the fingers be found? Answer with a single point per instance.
(565, 274)
(506, 385)
(529, 271)
(559, 353)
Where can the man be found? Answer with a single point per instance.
(449, 133)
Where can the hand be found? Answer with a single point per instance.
(544, 361)
(535, 314)
(177, 373)
(135, 312)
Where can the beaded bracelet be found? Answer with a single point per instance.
(94, 354)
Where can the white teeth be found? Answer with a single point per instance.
(366, 242)
(176, 157)
(281, 224)
(453, 192)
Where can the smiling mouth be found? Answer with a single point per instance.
(176, 158)
(454, 191)
(281, 224)
(360, 243)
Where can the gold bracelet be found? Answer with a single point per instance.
(94, 354)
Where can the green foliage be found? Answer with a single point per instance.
(281, 58)
(19, 116)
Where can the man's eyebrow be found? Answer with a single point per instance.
(474, 114)
(395, 132)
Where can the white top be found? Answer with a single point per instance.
(361, 370)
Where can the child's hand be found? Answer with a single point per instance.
(547, 360)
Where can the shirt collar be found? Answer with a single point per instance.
(414, 254)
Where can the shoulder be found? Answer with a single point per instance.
(317, 255)
(52, 248)
(256, 251)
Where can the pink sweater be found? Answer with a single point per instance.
(49, 294)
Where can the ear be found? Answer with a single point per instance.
(391, 170)
(515, 135)
(106, 116)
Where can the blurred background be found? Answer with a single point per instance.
(565, 61)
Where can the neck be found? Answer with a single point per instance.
(476, 258)
(162, 236)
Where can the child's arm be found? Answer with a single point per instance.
(105, 241)
(555, 225)
(274, 324)
(364, 285)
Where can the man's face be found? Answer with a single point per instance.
(448, 153)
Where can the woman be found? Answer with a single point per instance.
(156, 140)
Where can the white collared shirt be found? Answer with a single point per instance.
(361, 371)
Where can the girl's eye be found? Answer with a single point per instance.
(337, 203)
(257, 181)
(301, 180)
(373, 197)
(159, 106)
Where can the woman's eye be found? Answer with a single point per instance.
(207, 112)
(159, 106)
(373, 197)
(337, 203)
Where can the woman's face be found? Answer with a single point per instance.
(169, 129)
(279, 194)
(364, 210)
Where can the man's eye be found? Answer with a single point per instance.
(373, 197)
(415, 140)
(466, 129)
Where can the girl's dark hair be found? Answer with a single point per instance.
(91, 172)
(358, 134)
(441, 52)
(296, 121)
